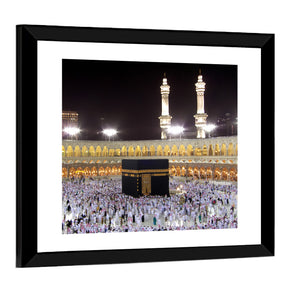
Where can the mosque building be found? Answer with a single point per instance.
(199, 157)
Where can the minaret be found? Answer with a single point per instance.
(200, 117)
(165, 118)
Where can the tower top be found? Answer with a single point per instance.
(165, 82)
(200, 78)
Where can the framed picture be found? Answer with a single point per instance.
(138, 145)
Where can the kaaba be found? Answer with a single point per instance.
(145, 177)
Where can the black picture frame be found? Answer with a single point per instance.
(27, 103)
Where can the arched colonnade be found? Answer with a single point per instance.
(227, 173)
(152, 150)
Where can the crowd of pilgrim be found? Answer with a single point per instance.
(92, 206)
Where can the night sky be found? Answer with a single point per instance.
(126, 95)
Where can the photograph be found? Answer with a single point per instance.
(148, 146)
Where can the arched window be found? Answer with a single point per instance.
(79, 172)
(190, 172)
(145, 151)
(124, 151)
(189, 150)
(101, 171)
(197, 151)
(233, 174)
(114, 170)
(111, 152)
(152, 150)
(94, 171)
(72, 172)
(138, 151)
(217, 150)
(105, 151)
(92, 151)
(230, 150)
(174, 151)
(119, 170)
(107, 171)
(217, 174)
(224, 175)
(77, 151)
(63, 151)
(159, 150)
(167, 150)
(85, 151)
(64, 173)
(209, 173)
(172, 171)
(131, 151)
(210, 150)
(87, 171)
(69, 151)
(202, 173)
(98, 151)
(223, 150)
(182, 150)
(196, 172)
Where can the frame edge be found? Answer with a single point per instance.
(26, 92)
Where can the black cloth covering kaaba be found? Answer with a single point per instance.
(145, 177)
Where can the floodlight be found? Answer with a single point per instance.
(175, 130)
(210, 127)
(110, 132)
(72, 130)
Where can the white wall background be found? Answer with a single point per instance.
(253, 278)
